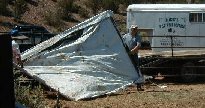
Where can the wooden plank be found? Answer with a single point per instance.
(22, 37)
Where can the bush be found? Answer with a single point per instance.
(52, 19)
(3, 7)
(110, 5)
(27, 93)
(65, 7)
(29, 97)
(83, 12)
(94, 5)
(19, 8)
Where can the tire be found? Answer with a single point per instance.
(188, 73)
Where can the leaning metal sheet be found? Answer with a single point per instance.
(95, 64)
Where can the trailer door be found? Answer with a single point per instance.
(175, 23)
(176, 26)
(172, 24)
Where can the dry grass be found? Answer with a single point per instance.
(175, 95)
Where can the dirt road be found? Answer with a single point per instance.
(157, 94)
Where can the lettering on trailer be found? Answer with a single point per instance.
(172, 23)
(172, 26)
(166, 41)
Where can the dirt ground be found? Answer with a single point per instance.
(163, 93)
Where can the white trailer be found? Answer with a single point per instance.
(176, 33)
(177, 20)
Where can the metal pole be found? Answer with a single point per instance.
(172, 44)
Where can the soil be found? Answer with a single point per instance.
(163, 93)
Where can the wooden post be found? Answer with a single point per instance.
(6, 78)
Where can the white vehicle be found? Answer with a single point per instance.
(176, 35)
(177, 20)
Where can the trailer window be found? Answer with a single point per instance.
(196, 17)
(199, 17)
(203, 17)
(192, 17)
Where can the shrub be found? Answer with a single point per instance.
(29, 97)
(94, 5)
(83, 12)
(52, 19)
(65, 7)
(19, 8)
(110, 5)
(27, 93)
(3, 7)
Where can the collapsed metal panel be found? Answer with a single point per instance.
(85, 61)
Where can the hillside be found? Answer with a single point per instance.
(59, 15)
(42, 12)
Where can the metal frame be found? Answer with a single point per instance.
(174, 58)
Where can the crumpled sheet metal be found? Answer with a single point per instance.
(94, 64)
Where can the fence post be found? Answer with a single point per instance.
(6, 77)
(172, 44)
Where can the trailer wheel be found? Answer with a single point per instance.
(188, 73)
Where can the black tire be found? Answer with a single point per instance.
(188, 73)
